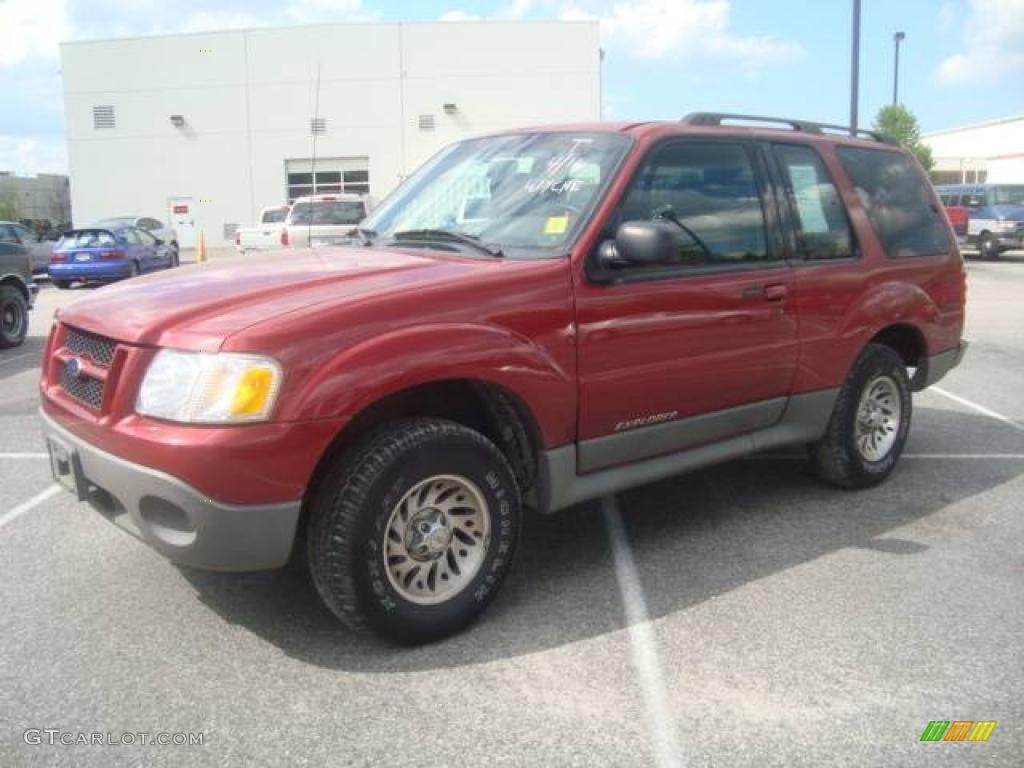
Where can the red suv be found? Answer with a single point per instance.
(534, 318)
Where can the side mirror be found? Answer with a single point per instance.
(158, 240)
(640, 244)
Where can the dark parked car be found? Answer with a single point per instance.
(38, 247)
(534, 318)
(107, 254)
(17, 292)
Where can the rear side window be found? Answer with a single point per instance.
(823, 231)
(274, 215)
(896, 198)
(709, 192)
(150, 224)
(7, 234)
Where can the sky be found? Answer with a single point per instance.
(961, 63)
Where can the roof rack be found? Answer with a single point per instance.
(804, 126)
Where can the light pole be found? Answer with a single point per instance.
(896, 39)
(855, 68)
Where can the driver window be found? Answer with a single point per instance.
(707, 192)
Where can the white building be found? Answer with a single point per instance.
(992, 152)
(205, 129)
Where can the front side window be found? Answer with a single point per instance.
(823, 231)
(708, 192)
(525, 193)
(896, 196)
(328, 213)
(145, 237)
(7, 234)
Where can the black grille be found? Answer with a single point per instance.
(96, 348)
(82, 387)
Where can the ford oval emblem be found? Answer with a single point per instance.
(73, 368)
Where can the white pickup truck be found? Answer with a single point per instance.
(264, 236)
(324, 219)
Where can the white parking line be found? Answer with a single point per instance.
(950, 456)
(979, 408)
(641, 639)
(959, 456)
(23, 456)
(7, 360)
(35, 501)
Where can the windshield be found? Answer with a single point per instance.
(87, 238)
(1008, 194)
(522, 191)
(125, 221)
(328, 213)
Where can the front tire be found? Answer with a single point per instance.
(412, 534)
(61, 285)
(13, 317)
(869, 424)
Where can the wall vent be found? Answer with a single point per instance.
(426, 122)
(103, 116)
(318, 125)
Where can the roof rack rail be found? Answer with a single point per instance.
(804, 126)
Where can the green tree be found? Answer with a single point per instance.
(898, 122)
(9, 209)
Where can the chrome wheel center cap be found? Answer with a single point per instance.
(428, 535)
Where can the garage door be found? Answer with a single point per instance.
(332, 175)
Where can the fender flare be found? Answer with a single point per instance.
(373, 369)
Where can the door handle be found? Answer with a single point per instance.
(771, 292)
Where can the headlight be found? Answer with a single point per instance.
(205, 388)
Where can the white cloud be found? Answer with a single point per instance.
(681, 29)
(206, 21)
(993, 44)
(328, 10)
(31, 29)
(457, 15)
(25, 155)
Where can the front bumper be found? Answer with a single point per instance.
(174, 518)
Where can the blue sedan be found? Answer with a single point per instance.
(104, 255)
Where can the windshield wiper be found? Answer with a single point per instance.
(448, 235)
(365, 235)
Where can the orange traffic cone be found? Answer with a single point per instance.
(201, 249)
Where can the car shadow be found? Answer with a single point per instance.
(26, 356)
(693, 537)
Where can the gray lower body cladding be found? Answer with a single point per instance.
(173, 518)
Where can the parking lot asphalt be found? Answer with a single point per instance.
(741, 616)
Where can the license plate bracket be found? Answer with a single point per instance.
(66, 467)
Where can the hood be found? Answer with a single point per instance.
(198, 306)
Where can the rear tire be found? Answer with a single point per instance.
(61, 285)
(870, 422)
(412, 533)
(13, 317)
(989, 246)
